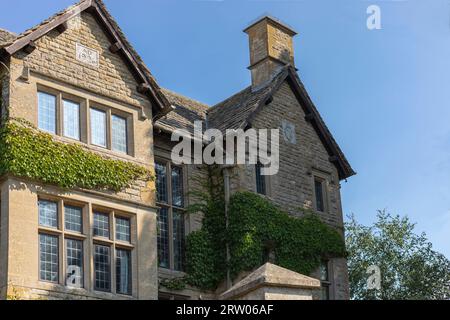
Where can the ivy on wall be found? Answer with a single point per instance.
(28, 153)
(257, 229)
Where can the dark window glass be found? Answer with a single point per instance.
(260, 180)
(177, 187)
(102, 268)
(123, 229)
(325, 292)
(73, 219)
(123, 271)
(48, 214)
(48, 258)
(47, 112)
(178, 240)
(163, 238)
(74, 263)
(101, 225)
(318, 186)
(161, 182)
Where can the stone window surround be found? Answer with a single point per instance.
(88, 245)
(163, 159)
(85, 106)
(324, 177)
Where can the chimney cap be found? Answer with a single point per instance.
(277, 22)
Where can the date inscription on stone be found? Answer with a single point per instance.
(87, 55)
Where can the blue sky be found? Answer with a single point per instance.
(385, 94)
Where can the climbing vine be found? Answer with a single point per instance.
(28, 153)
(255, 224)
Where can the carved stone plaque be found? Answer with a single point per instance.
(87, 55)
(288, 130)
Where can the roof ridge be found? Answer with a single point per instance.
(229, 98)
(185, 97)
(255, 89)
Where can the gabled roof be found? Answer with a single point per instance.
(234, 112)
(148, 86)
(239, 111)
(186, 111)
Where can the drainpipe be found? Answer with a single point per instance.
(226, 183)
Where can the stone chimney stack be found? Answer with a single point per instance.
(271, 47)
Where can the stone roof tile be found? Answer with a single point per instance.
(186, 112)
(6, 37)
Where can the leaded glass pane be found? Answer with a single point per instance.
(98, 127)
(73, 219)
(101, 225)
(163, 238)
(161, 182)
(48, 214)
(119, 134)
(74, 263)
(47, 112)
(48, 258)
(123, 272)
(123, 232)
(71, 119)
(102, 268)
(177, 187)
(178, 240)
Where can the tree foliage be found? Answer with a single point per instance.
(410, 268)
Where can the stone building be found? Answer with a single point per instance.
(77, 77)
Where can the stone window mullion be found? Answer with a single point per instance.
(88, 245)
(170, 214)
(59, 115)
(62, 253)
(108, 129)
(112, 225)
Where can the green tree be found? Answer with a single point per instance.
(409, 267)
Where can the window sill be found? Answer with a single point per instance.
(81, 292)
(125, 245)
(95, 148)
(170, 274)
(103, 240)
(75, 235)
(49, 230)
